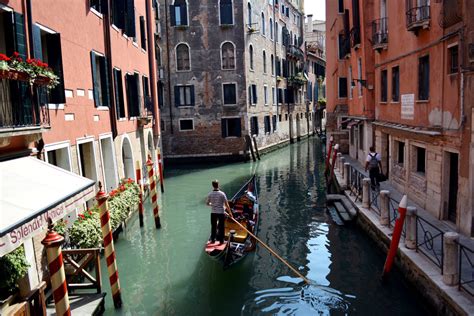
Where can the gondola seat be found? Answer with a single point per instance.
(240, 233)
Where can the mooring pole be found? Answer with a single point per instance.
(160, 170)
(397, 232)
(153, 193)
(328, 158)
(109, 249)
(52, 242)
(140, 193)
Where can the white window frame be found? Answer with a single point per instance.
(265, 94)
(56, 146)
(236, 95)
(233, 13)
(232, 117)
(101, 137)
(235, 57)
(86, 140)
(264, 60)
(187, 14)
(185, 106)
(176, 57)
(185, 119)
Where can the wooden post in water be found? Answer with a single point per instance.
(52, 242)
(160, 170)
(248, 140)
(256, 147)
(397, 232)
(328, 158)
(140, 193)
(153, 193)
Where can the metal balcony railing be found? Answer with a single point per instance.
(418, 17)
(380, 32)
(19, 108)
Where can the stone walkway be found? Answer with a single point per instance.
(427, 260)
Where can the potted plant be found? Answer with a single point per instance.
(13, 266)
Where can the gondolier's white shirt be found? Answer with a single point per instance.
(217, 201)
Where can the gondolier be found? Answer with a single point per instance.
(218, 202)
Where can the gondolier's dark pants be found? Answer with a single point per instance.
(217, 227)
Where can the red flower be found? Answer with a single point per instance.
(122, 188)
(19, 59)
(15, 54)
(4, 57)
(30, 61)
(90, 213)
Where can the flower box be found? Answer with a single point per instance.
(10, 74)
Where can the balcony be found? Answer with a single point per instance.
(20, 112)
(418, 18)
(380, 34)
(295, 52)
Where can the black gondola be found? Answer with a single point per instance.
(238, 242)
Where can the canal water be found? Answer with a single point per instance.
(165, 272)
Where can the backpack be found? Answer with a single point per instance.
(373, 162)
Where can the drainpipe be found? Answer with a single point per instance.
(168, 71)
(152, 70)
(274, 59)
(108, 54)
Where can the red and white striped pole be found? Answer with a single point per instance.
(397, 232)
(160, 169)
(332, 165)
(52, 242)
(153, 193)
(101, 198)
(140, 194)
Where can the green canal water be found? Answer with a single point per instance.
(165, 272)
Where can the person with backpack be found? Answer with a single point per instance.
(373, 163)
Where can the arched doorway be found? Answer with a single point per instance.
(127, 159)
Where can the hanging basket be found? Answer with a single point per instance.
(14, 75)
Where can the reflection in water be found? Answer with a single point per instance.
(165, 272)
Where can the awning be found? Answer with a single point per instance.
(32, 190)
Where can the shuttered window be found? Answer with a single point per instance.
(100, 80)
(184, 95)
(133, 94)
(383, 86)
(182, 57)
(253, 94)
(98, 5)
(424, 78)
(274, 121)
(396, 84)
(146, 94)
(231, 127)
(266, 122)
(118, 89)
(143, 32)
(230, 93)
(123, 16)
(226, 12)
(179, 13)
(251, 56)
(254, 126)
(342, 87)
(228, 56)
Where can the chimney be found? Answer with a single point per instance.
(309, 21)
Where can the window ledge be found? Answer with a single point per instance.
(183, 70)
(143, 51)
(122, 119)
(231, 137)
(226, 26)
(383, 102)
(102, 108)
(97, 13)
(181, 27)
(135, 44)
(115, 28)
(394, 102)
(230, 69)
(52, 106)
(422, 101)
(185, 106)
(230, 105)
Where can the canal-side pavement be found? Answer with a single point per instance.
(424, 274)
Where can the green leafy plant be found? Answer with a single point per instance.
(297, 80)
(322, 101)
(86, 231)
(13, 266)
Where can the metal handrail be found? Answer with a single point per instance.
(432, 235)
(466, 269)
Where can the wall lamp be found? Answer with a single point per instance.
(362, 82)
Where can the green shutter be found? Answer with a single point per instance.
(192, 96)
(53, 42)
(184, 14)
(104, 78)
(176, 96)
(172, 15)
(42, 93)
(95, 80)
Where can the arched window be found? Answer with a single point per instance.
(158, 55)
(276, 31)
(179, 13)
(271, 28)
(226, 12)
(182, 57)
(263, 23)
(296, 41)
(264, 62)
(251, 56)
(272, 64)
(228, 55)
(249, 14)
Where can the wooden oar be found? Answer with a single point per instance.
(270, 250)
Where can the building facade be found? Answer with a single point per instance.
(401, 78)
(315, 39)
(224, 72)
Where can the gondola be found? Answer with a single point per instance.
(238, 242)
